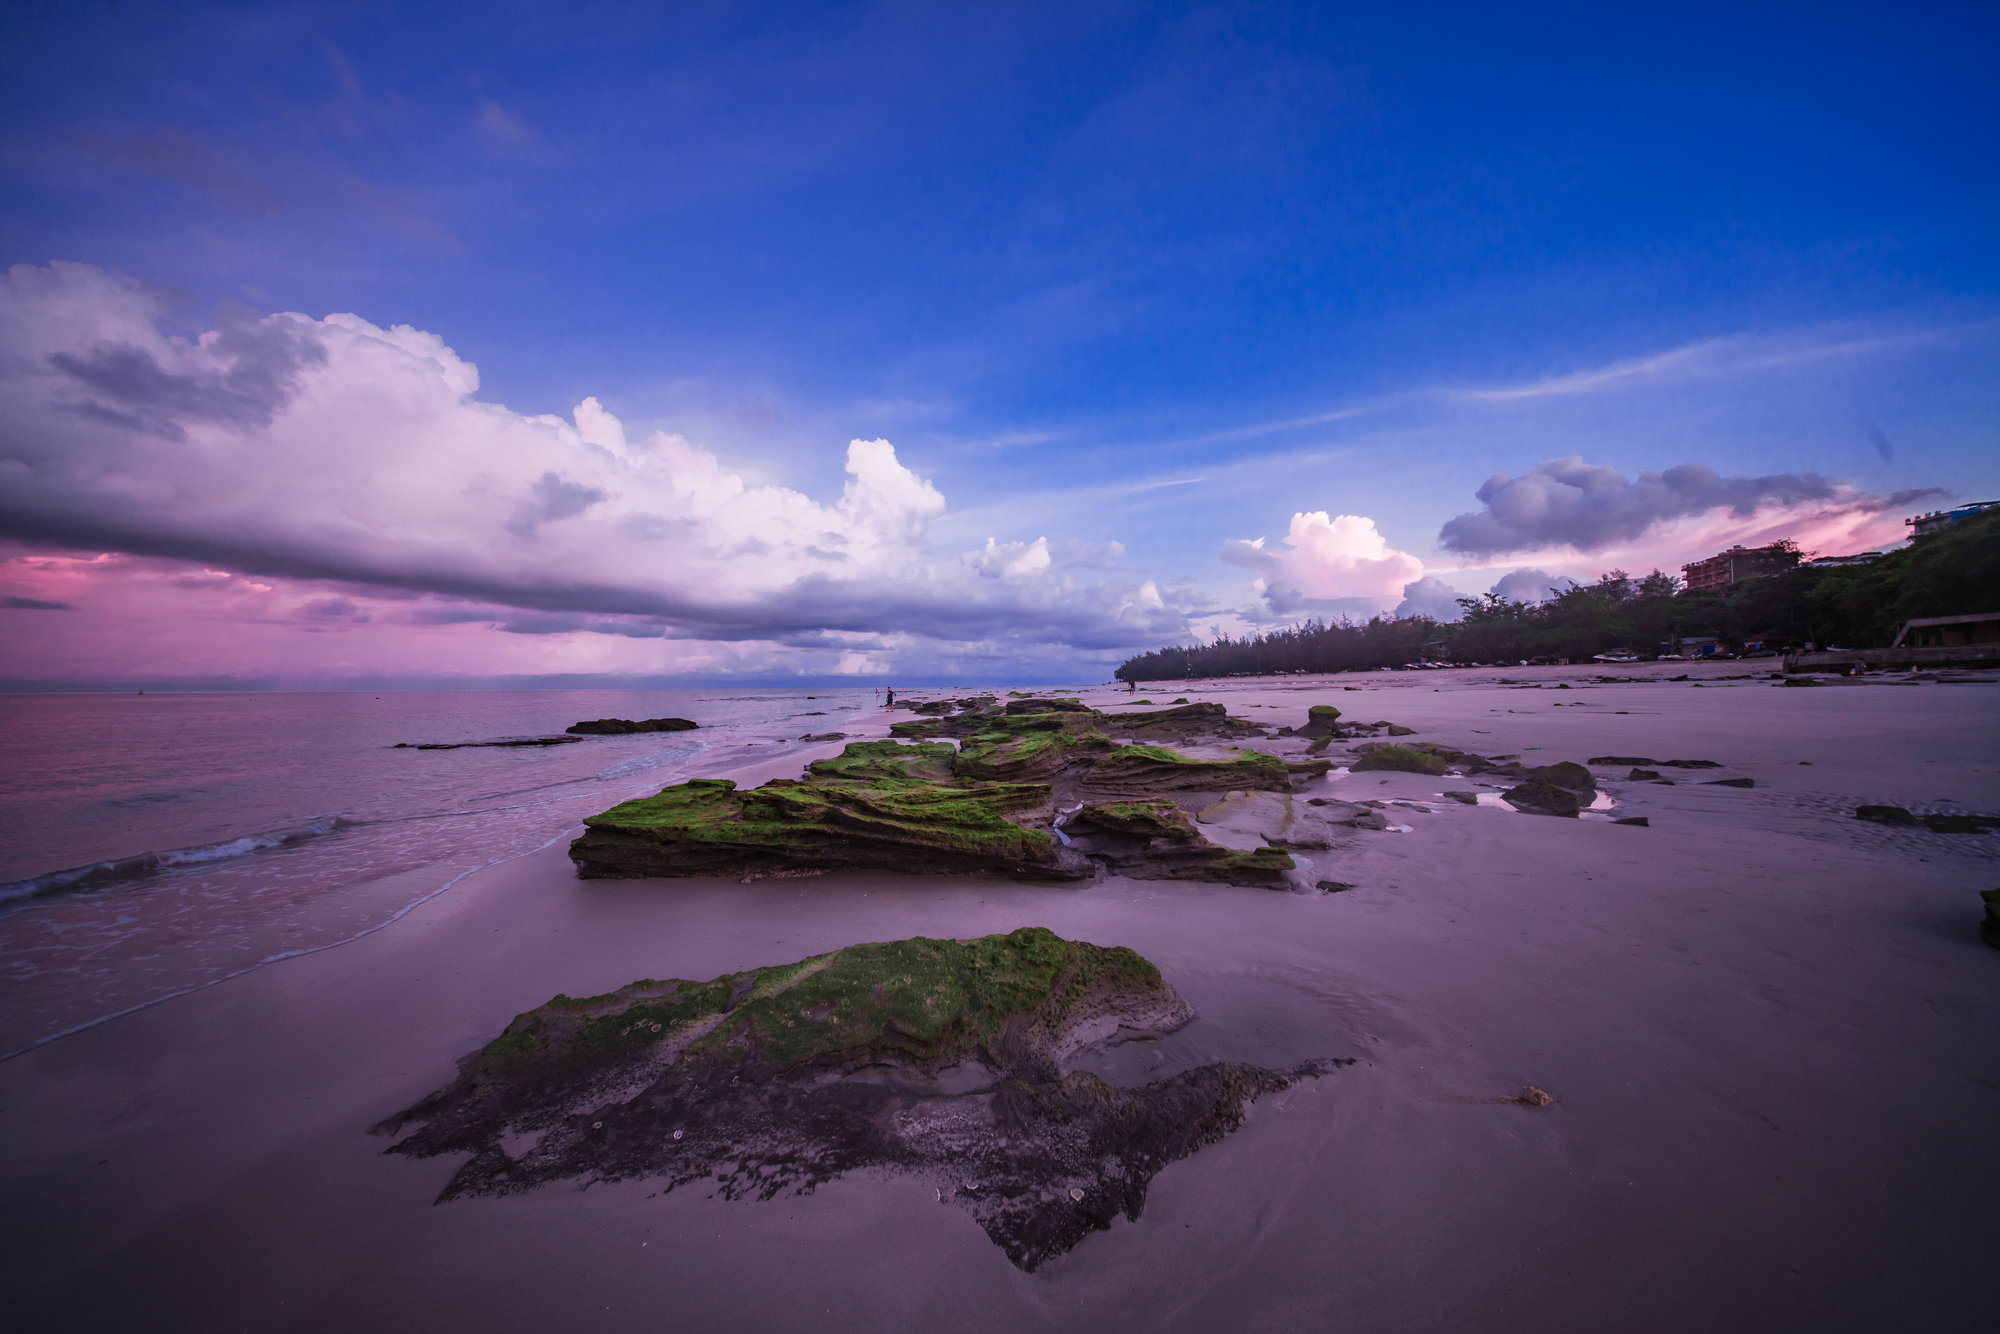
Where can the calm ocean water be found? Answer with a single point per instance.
(153, 844)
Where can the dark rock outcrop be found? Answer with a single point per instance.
(627, 726)
(1895, 815)
(1539, 798)
(1989, 929)
(753, 1081)
(1322, 720)
(1943, 823)
(1664, 764)
(1565, 773)
(476, 745)
(1153, 839)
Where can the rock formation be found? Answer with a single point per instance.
(1540, 798)
(626, 726)
(989, 808)
(755, 1081)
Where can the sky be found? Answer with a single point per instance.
(909, 343)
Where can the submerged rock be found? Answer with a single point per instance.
(1960, 824)
(476, 745)
(626, 726)
(1664, 764)
(1989, 929)
(757, 1081)
(1895, 815)
(1401, 759)
(1539, 798)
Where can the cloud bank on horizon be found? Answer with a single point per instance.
(325, 475)
(336, 450)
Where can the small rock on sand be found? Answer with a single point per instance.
(1539, 798)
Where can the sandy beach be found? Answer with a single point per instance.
(1771, 1032)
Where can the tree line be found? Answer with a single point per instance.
(1952, 573)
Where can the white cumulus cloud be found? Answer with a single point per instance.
(1326, 562)
(337, 449)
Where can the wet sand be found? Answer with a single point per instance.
(1771, 1031)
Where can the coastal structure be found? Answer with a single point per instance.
(1923, 525)
(1930, 641)
(1737, 564)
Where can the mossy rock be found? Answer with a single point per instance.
(1141, 769)
(920, 1004)
(1048, 706)
(787, 1077)
(707, 827)
(1400, 759)
(876, 761)
(1032, 756)
(1567, 774)
(1539, 798)
(1143, 819)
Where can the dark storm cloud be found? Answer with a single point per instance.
(126, 385)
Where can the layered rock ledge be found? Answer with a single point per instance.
(996, 803)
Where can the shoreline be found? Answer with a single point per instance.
(1774, 1050)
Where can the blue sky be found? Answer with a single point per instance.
(1154, 275)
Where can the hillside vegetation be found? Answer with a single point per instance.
(1953, 573)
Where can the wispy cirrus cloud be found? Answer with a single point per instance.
(1735, 354)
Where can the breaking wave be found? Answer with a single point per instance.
(147, 863)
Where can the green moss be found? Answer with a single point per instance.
(1139, 764)
(873, 761)
(932, 1001)
(1402, 760)
(1029, 754)
(706, 824)
(1148, 819)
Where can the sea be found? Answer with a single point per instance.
(154, 844)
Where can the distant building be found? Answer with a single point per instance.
(1923, 525)
(1737, 564)
(1833, 562)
